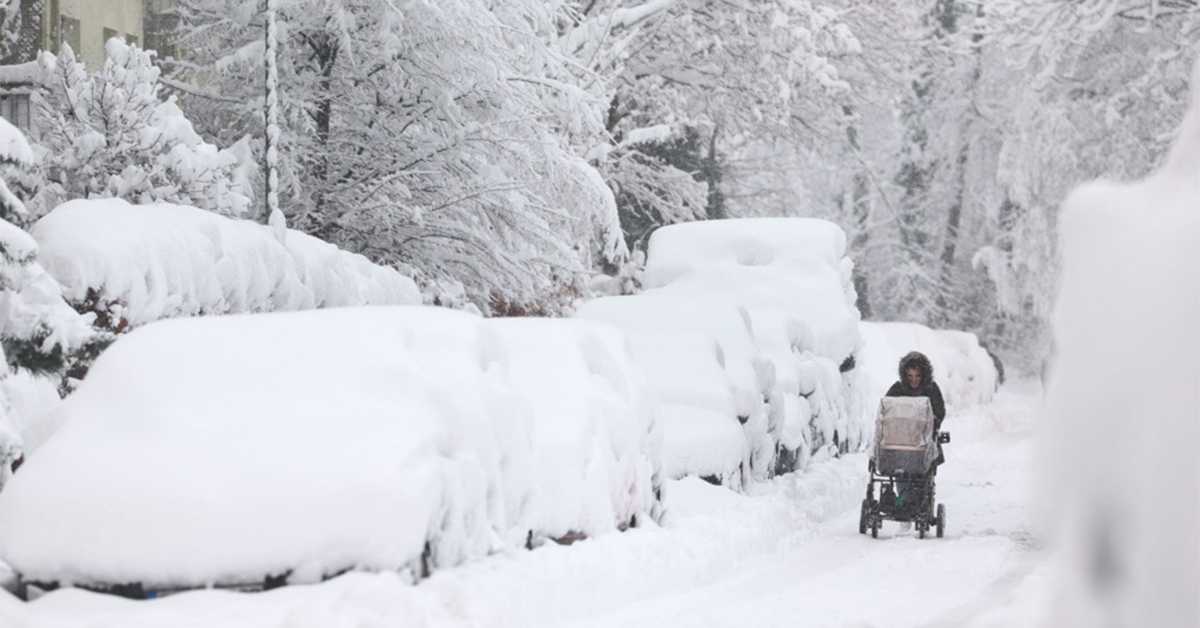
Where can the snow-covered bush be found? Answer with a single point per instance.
(962, 368)
(306, 443)
(133, 264)
(112, 133)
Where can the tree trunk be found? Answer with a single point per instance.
(324, 48)
(954, 213)
(860, 212)
(712, 177)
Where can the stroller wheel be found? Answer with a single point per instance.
(863, 513)
(874, 528)
(941, 520)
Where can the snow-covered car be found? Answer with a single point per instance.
(699, 367)
(791, 281)
(256, 450)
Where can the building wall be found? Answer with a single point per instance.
(120, 17)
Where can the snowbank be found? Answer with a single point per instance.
(709, 535)
(774, 297)
(149, 262)
(1121, 423)
(962, 368)
(226, 449)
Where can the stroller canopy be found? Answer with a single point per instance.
(904, 441)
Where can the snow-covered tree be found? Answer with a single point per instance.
(20, 29)
(726, 77)
(112, 133)
(444, 137)
(39, 332)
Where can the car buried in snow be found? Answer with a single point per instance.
(254, 451)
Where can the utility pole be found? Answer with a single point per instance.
(275, 216)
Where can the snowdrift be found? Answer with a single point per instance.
(774, 296)
(1123, 402)
(143, 263)
(961, 367)
(227, 449)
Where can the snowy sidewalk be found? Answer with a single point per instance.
(788, 555)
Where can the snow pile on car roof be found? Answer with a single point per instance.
(149, 262)
(775, 297)
(226, 449)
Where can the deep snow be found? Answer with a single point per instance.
(290, 441)
(788, 554)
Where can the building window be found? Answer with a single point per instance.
(15, 109)
(68, 33)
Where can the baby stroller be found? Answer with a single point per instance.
(902, 466)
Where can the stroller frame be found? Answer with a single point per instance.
(882, 505)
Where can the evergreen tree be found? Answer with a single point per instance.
(39, 332)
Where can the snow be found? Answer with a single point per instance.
(28, 73)
(162, 261)
(13, 145)
(786, 554)
(313, 442)
(1122, 399)
(647, 135)
(679, 249)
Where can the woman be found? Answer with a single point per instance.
(916, 380)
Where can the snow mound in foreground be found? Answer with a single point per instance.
(225, 449)
(1123, 404)
(148, 262)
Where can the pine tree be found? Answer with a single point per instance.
(39, 331)
(114, 133)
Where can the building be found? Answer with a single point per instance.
(84, 25)
(87, 24)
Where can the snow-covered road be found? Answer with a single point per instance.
(832, 576)
(787, 555)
